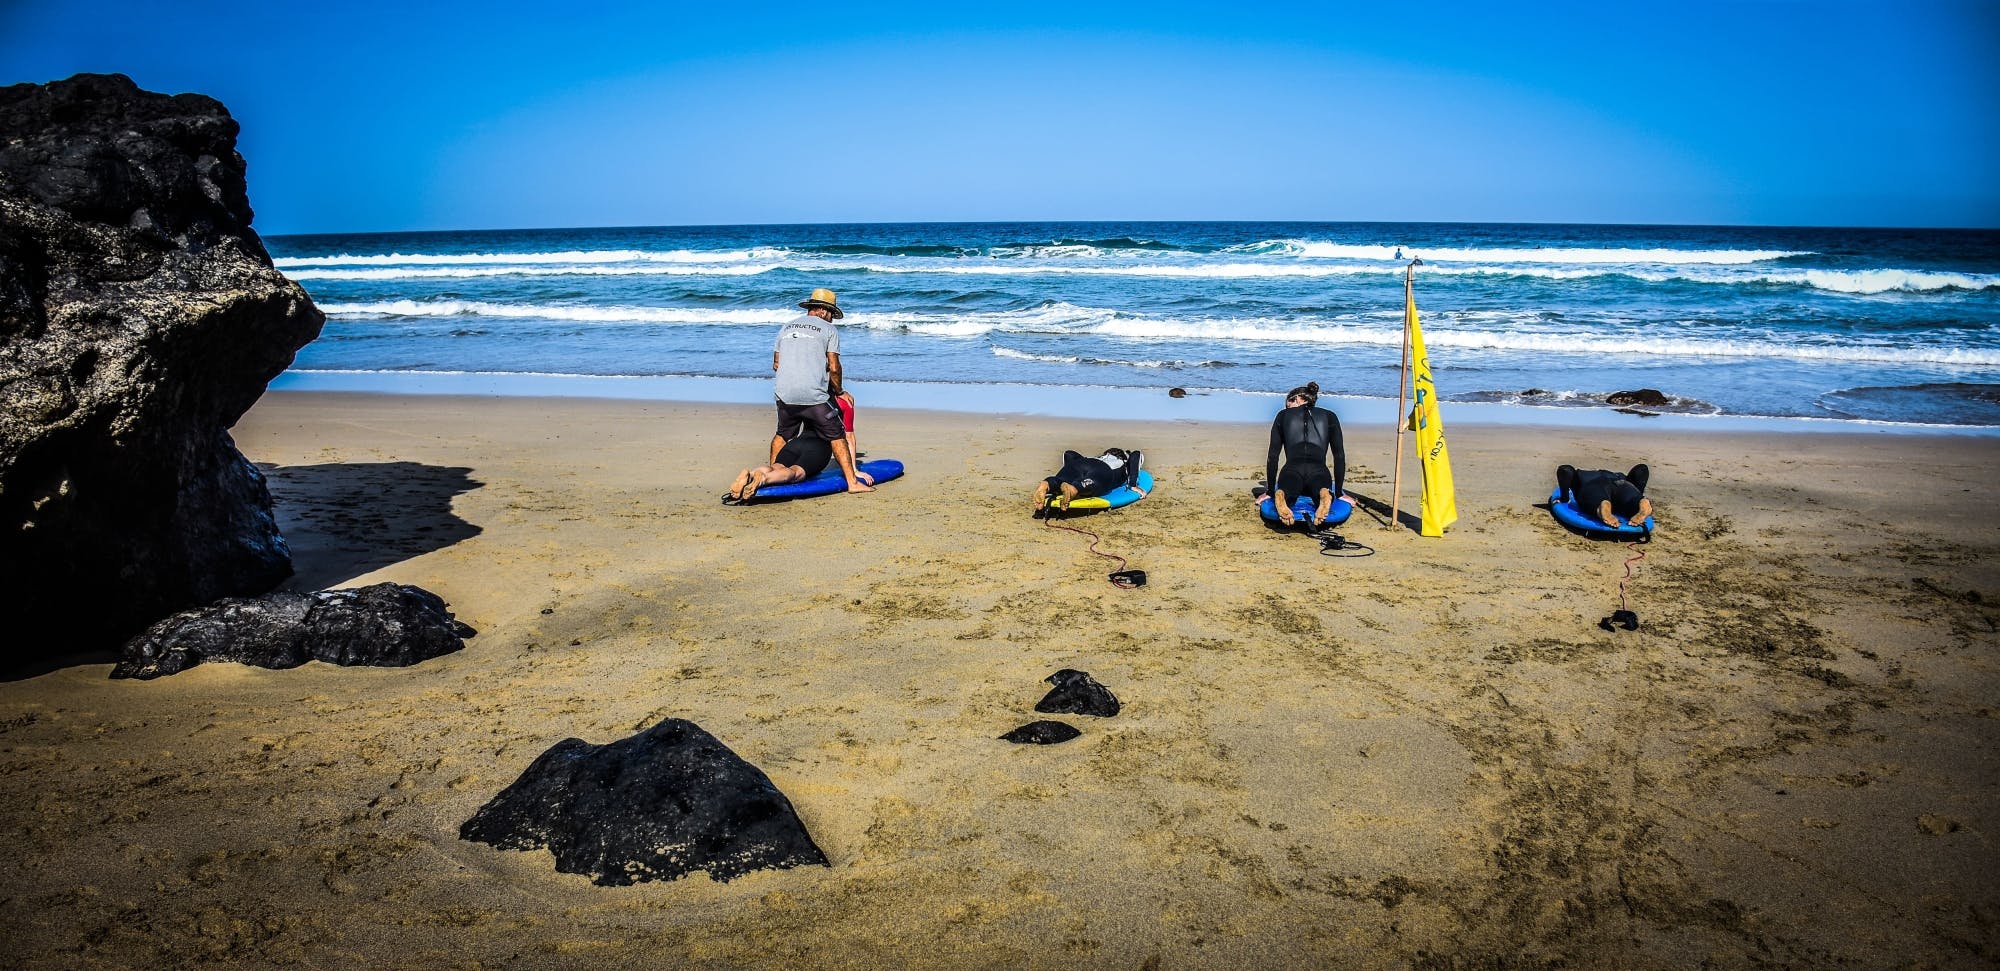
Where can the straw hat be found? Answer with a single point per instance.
(823, 297)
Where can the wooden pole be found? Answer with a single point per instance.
(1402, 383)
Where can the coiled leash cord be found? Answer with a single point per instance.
(1336, 545)
(1623, 616)
(1121, 578)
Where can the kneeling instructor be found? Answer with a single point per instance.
(807, 362)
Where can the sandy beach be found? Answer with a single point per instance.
(1430, 757)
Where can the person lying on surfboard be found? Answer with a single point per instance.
(805, 455)
(1607, 495)
(1083, 478)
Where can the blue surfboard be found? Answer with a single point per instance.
(831, 481)
(1569, 515)
(1302, 510)
(1120, 497)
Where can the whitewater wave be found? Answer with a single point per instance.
(1502, 332)
(1309, 249)
(588, 314)
(1849, 282)
(469, 273)
(574, 257)
(1009, 352)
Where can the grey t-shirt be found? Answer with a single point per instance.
(802, 348)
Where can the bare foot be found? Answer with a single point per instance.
(859, 486)
(1284, 509)
(736, 487)
(1324, 509)
(1610, 518)
(1645, 510)
(749, 491)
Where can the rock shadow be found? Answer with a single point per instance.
(346, 519)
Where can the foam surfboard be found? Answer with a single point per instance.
(831, 481)
(1302, 509)
(1120, 497)
(1569, 515)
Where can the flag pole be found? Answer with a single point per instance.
(1402, 383)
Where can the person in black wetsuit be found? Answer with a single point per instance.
(1305, 433)
(1607, 495)
(1082, 478)
(803, 456)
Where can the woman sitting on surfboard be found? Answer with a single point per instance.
(1606, 494)
(1305, 433)
(1083, 478)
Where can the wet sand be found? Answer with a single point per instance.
(1430, 757)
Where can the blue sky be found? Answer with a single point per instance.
(365, 116)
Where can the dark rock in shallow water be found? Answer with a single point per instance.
(139, 318)
(1041, 733)
(386, 625)
(1649, 397)
(1077, 693)
(656, 806)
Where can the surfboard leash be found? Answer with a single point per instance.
(1623, 616)
(1121, 578)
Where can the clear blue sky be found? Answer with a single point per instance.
(365, 116)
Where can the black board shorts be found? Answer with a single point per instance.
(808, 452)
(822, 418)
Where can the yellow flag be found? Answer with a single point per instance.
(1440, 502)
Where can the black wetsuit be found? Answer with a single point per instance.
(808, 451)
(1305, 434)
(1093, 477)
(1590, 487)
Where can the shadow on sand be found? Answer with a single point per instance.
(346, 519)
(341, 520)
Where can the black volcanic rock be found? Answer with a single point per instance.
(655, 806)
(139, 318)
(1650, 397)
(386, 625)
(1077, 693)
(1043, 732)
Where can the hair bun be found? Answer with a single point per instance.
(1312, 386)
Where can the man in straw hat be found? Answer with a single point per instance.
(807, 360)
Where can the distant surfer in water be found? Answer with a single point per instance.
(804, 456)
(1305, 433)
(1084, 478)
(1607, 495)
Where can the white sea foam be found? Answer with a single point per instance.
(466, 273)
(1063, 359)
(569, 257)
(1852, 282)
(1025, 356)
(587, 314)
(1310, 249)
(1493, 330)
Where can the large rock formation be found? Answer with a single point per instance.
(655, 806)
(387, 625)
(140, 317)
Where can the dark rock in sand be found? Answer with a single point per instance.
(1176, 392)
(1041, 733)
(660, 804)
(1077, 693)
(1649, 397)
(139, 318)
(386, 625)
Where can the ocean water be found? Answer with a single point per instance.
(1857, 324)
